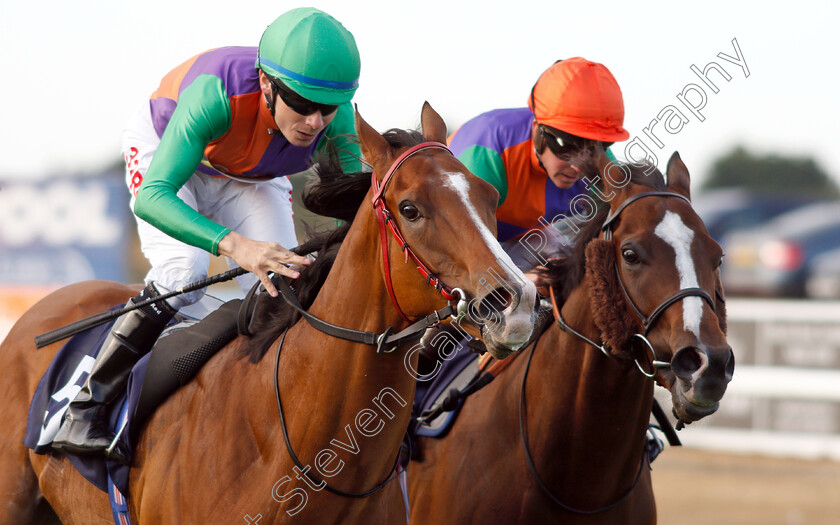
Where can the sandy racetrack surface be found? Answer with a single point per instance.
(706, 488)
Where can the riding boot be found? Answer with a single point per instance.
(84, 430)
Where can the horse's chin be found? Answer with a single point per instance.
(501, 350)
(688, 411)
(503, 341)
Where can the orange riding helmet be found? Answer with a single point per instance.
(581, 98)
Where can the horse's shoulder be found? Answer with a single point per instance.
(73, 302)
(85, 295)
(96, 292)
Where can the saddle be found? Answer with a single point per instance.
(180, 352)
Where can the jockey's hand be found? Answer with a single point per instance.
(541, 283)
(260, 258)
(537, 276)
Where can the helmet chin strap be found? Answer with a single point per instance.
(539, 161)
(269, 101)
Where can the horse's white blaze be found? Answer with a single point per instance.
(459, 183)
(679, 236)
(518, 324)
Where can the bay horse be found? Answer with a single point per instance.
(214, 451)
(583, 411)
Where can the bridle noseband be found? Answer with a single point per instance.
(646, 320)
(647, 324)
(384, 216)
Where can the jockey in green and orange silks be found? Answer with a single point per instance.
(207, 160)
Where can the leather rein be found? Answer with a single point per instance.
(386, 341)
(647, 324)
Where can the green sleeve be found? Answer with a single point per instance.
(487, 164)
(202, 115)
(341, 134)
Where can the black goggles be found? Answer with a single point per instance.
(563, 144)
(297, 103)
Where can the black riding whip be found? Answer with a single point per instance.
(72, 329)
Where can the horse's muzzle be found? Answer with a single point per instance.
(701, 377)
(506, 317)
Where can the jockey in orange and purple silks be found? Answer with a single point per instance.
(524, 152)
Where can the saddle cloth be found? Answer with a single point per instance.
(455, 374)
(177, 356)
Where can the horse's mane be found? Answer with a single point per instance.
(331, 193)
(566, 274)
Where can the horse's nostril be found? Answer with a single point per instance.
(496, 302)
(687, 361)
(730, 365)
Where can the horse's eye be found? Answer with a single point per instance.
(630, 256)
(409, 211)
(720, 262)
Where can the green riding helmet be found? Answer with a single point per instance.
(312, 54)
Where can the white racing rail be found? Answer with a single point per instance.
(784, 398)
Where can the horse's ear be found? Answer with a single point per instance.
(433, 126)
(375, 148)
(678, 178)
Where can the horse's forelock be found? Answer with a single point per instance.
(401, 138)
(333, 193)
(646, 174)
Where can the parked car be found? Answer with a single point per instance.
(775, 259)
(731, 209)
(823, 281)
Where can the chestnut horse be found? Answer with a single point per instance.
(214, 452)
(586, 409)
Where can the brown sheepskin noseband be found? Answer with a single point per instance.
(609, 309)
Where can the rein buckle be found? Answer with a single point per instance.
(461, 308)
(381, 348)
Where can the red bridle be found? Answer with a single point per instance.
(385, 217)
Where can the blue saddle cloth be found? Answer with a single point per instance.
(60, 384)
(463, 364)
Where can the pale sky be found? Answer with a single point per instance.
(74, 71)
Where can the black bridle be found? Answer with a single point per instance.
(647, 323)
(646, 320)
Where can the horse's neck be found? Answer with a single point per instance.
(582, 402)
(337, 390)
(354, 294)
